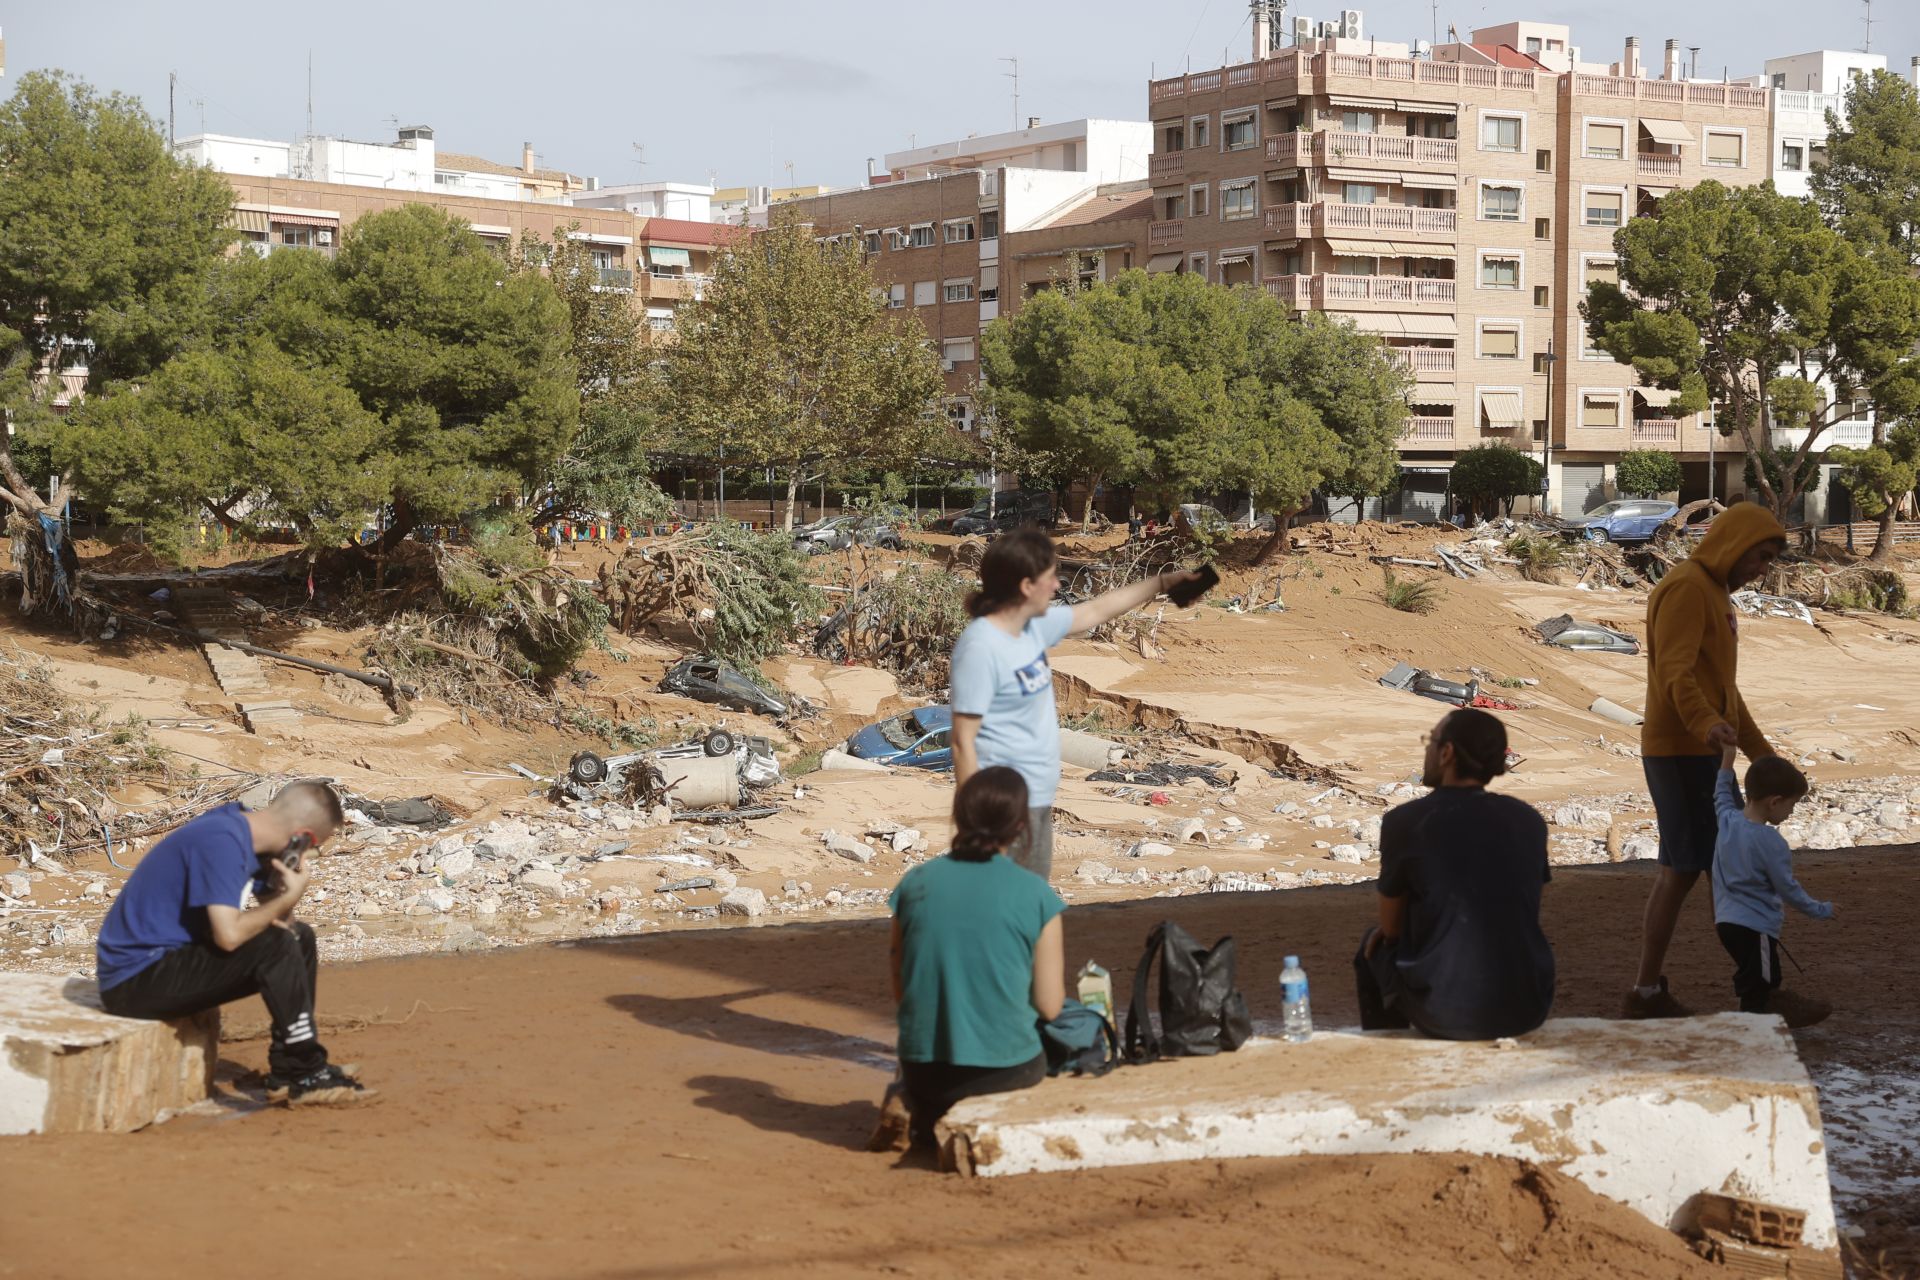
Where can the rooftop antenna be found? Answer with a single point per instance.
(789, 168)
(1014, 75)
(639, 160)
(1868, 48)
(1436, 21)
(309, 93)
(201, 103)
(171, 77)
(1694, 72)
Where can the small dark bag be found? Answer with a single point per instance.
(1201, 1012)
(1079, 1042)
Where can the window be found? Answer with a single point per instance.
(1541, 295)
(1600, 411)
(1543, 228)
(1499, 202)
(989, 224)
(1176, 208)
(1500, 133)
(1197, 131)
(957, 413)
(957, 291)
(1500, 343)
(297, 237)
(921, 237)
(1175, 136)
(1236, 199)
(923, 293)
(896, 238)
(1237, 133)
(1357, 121)
(1817, 156)
(1198, 200)
(1606, 140)
(1793, 156)
(1543, 161)
(959, 231)
(1533, 46)
(872, 242)
(1359, 193)
(896, 297)
(1603, 208)
(1541, 361)
(1499, 271)
(957, 350)
(1602, 271)
(1346, 266)
(1726, 149)
(1284, 262)
(1197, 264)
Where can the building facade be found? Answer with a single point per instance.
(412, 162)
(1457, 204)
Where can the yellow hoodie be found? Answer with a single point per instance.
(1692, 636)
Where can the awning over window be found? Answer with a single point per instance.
(1281, 175)
(1418, 326)
(301, 220)
(1655, 192)
(1362, 104)
(1656, 397)
(1433, 393)
(1281, 104)
(251, 220)
(1233, 259)
(1280, 246)
(1671, 132)
(1414, 108)
(666, 256)
(1384, 323)
(1163, 262)
(1409, 249)
(1363, 175)
(1355, 249)
(1502, 408)
(1425, 183)
(485, 229)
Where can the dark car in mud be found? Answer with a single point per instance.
(705, 680)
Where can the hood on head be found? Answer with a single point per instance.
(1734, 532)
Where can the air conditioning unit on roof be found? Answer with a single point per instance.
(1350, 24)
(1302, 30)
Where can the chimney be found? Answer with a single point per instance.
(526, 157)
(1673, 61)
(1262, 30)
(869, 170)
(1913, 71)
(1630, 64)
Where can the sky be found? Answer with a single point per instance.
(735, 93)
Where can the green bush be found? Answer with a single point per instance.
(1409, 597)
(1540, 557)
(1647, 473)
(1495, 473)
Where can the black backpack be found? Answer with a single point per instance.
(1201, 1012)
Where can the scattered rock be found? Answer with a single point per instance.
(439, 899)
(1150, 849)
(1639, 848)
(369, 910)
(904, 839)
(1193, 829)
(847, 847)
(544, 880)
(1092, 872)
(743, 902)
(1350, 853)
(455, 863)
(1894, 817)
(96, 889)
(1581, 817)
(1829, 835)
(1323, 822)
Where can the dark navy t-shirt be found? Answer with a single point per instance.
(1473, 962)
(209, 861)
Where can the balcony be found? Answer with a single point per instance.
(674, 288)
(1293, 70)
(1168, 168)
(1656, 431)
(1671, 91)
(1165, 234)
(1362, 293)
(1335, 147)
(1329, 218)
(1433, 363)
(1655, 164)
(616, 279)
(1421, 429)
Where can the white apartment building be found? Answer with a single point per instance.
(1805, 87)
(412, 162)
(687, 201)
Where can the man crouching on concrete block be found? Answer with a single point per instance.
(180, 939)
(1459, 953)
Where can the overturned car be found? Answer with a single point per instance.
(1567, 632)
(707, 680)
(649, 777)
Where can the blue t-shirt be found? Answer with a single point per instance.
(164, 905)
(1005, 680)
(968, 930)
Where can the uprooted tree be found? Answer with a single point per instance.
(416, 372)
(1176, 385)
(790, 361)
(1743, 298)
(105, 243)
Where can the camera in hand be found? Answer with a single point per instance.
(1185, 593)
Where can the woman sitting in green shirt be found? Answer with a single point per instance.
(978, 961)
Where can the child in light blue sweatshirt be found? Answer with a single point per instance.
(1752, 876)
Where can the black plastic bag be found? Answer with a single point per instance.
(1201, 1011)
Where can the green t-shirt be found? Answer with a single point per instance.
(968, 931)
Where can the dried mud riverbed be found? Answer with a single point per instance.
(693, 1104)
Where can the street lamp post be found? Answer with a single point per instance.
(1546, 442)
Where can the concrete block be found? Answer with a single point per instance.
(1652, 1114)
(67, 1066)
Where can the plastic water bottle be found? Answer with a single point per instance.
(1297, 1012)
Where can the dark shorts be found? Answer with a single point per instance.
(1682, 790)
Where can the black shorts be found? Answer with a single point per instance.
(1682, 790)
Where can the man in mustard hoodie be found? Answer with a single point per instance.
(1694, 709)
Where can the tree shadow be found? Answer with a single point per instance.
(841, 1125)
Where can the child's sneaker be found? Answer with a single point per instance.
(1798, 1010)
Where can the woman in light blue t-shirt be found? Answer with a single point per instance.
(1003, 708)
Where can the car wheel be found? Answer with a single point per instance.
(718, 743)
(587, 769)
(1597, 535)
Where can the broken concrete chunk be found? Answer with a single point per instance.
(1579, 817)
(1150, 849)
(847, 847)
(1093, 873)
(456, 864)
(1350, 853)
(1193, 829)
(544, 880)
(743, 902)
(904, 839)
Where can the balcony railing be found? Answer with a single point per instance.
(1167, 168)
(1161, 234)
(1332, 147)
(617, 278)
(1654, 164)
(1361, 292)
(1808, 103)
(1424, 360)
(1656, 431)
(1330, 218)
(1422, 428)
(1675, 91)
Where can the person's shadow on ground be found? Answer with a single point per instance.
(714, 1018)
(764, 1106)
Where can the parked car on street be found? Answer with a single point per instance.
(705, 680)
(1624, 520)
(841, 532)
(1012, 510)
(917, 739)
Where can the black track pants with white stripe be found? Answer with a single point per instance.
(1756, 964)
(281, 965)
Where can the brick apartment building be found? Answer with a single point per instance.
(1457, 204)
(960, 231)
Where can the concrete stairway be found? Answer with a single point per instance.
(240, 675)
